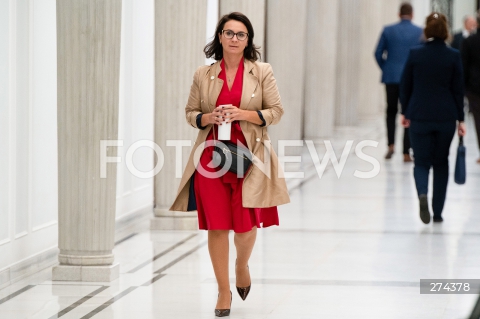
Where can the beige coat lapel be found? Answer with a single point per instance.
(215, 86)
(250, 83)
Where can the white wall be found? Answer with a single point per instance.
(460, 9)
(212, 19)
(28, 128)
(28, 106)
(4, 120)
(421, 9)
(136, 116)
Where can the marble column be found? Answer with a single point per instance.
(371, 101)
(388, 11)
(348, 63)
(320, 75)
(88, 53)
(391, 9)
(180, 27)
(285, 48)
(255, 11)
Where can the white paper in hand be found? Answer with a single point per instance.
(225, 130)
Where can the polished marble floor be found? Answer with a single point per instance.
(346, 248)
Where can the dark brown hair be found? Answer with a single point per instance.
(406, 9)
(214, 48)
(436, 26)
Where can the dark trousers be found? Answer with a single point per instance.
(474, 105)
(431, 144)
(393, 94)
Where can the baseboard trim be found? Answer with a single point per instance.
(125, 226)
(29, 266)
(134, 222)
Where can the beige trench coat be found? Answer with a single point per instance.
(259, 92)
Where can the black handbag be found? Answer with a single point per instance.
(238, 159)
(460, 167)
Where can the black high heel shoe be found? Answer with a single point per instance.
(244, 291)
(224, 312)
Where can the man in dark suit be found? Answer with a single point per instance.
(469, 27)
(391, 54)
(471, 65)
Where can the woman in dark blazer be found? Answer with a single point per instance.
(431, 93)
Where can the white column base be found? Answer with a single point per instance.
(168, 220)
(86, 273)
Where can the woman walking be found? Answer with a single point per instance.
(237, 89)
(431, 93)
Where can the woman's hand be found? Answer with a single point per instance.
(233, 113)
(215, 117)
(405, 122)
(462, 129)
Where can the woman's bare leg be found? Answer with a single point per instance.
(218, 248)
(244, 243)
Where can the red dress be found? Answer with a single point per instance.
(219, 199)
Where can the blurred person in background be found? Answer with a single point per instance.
(391, 54)
(431, 91)
(471, 66)
(469, 28)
